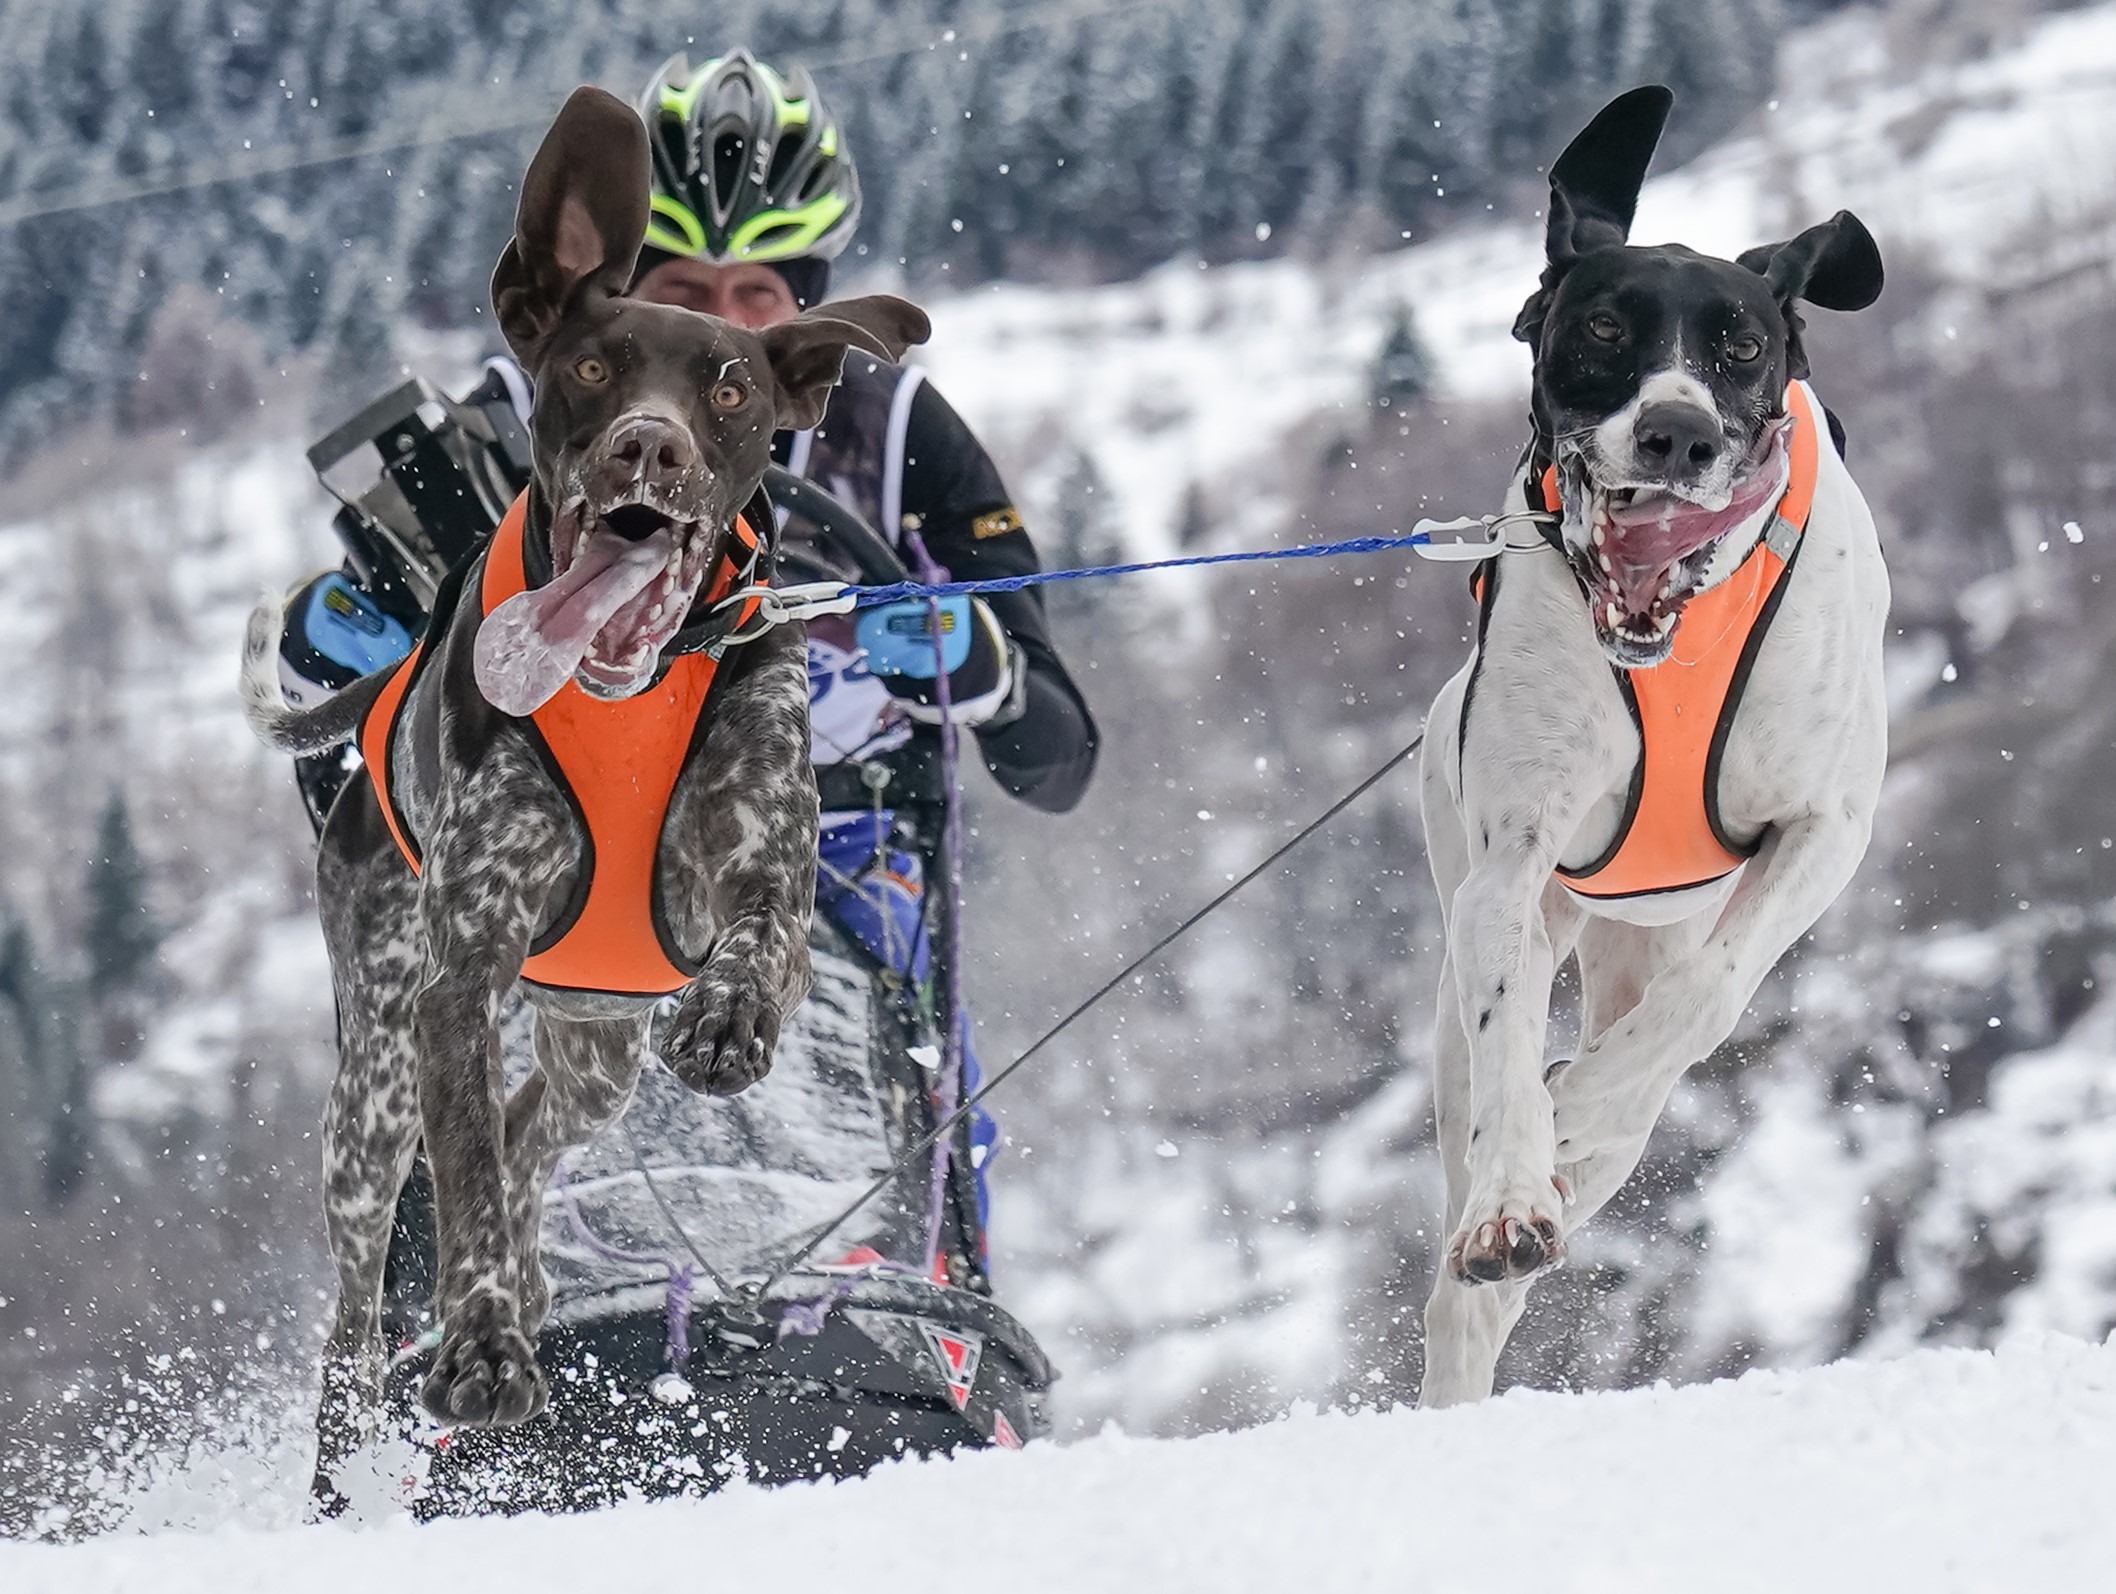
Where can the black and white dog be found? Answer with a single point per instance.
(1667, 412)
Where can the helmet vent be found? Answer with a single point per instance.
(730, 155)
(782, 162)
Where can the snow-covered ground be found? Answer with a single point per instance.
(1946, 1470)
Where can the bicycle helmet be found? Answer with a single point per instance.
(748, 164)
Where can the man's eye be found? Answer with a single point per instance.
(1605, 327)
(1745, 348)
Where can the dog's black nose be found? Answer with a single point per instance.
(1682, 439)
(651, 451)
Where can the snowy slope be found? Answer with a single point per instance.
(2000, 174)
(1947, 1470)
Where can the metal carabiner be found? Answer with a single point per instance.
(1473, 537)
(777, 605)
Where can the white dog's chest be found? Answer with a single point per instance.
(1551, 738)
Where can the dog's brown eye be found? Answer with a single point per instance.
(730, 396)
(1745, 348)
(1605, 327)
(591, 370)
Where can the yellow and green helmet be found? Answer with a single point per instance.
(748, 164)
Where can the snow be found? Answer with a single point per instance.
(1945, 1470)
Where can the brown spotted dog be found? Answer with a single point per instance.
(480, 848)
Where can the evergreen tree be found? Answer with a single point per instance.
(51, 1124)
(122, 935)
(1194, 525)
(1402, 373)
(1082, 532)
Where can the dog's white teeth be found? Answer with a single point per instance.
(1600, 532)
(1612, 615)
(1607, 567)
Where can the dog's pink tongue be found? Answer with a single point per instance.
(530, 645)
(1648, 540)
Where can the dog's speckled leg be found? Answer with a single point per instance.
(501, 847)
(744, 824)
(584, 1077)
(371, 1127)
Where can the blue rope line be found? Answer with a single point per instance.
(867, 597)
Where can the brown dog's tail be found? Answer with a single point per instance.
(293, 730)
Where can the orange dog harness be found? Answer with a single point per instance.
(1671, 836)
(617, 762)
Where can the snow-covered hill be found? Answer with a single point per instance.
(1998, 174)
(1944, 1471)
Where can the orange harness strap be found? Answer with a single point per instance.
(1670, 837)
(618, 763)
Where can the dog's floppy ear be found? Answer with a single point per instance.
(1835, 264)
(808, 352)
(581, 220)
(1594, 190)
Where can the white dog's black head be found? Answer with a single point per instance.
(1660, 379)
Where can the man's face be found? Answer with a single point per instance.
(749, 295)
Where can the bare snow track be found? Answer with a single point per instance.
(1946, 1470)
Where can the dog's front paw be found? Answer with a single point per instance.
(486, 1376)
(1509, 1236)
(726, 1025)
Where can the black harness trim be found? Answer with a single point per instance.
(1484, 582)
(584, 876)
(446, 598)
(1632, 798)
(1735, 688)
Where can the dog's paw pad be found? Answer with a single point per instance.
(488, 1379)
(1511, 1244)
(721, 1039)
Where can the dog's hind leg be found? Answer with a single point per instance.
(371, 1126)
(1607, 1103)
(1617, 962)
(584, 1077)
